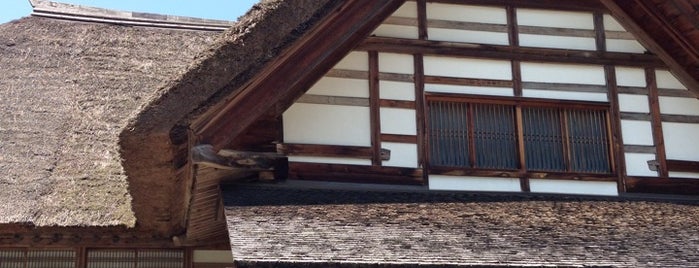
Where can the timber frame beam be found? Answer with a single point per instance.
(286, 78)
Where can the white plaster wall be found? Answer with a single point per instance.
(402, 155)
(630, 77)
(327, 124)
(637, 132)
(390, 90)
(356, 60)
(637, 164)
(487, 184)
(398, 121)
(611, 24)
(634, 103)
(558, 19)
(330, 160)
(679, 106)
(606, 188)
(493, 15)
(563, 73)
(464, 36)
(396, 63)
(492, 91)
(681, 141)
(397, 31)
(342, 87)
(564, 95)
(212, 256)
(407, 10)
(562, 42)
(628, 46)
(468, 67)
(666, 79)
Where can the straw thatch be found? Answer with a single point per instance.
(67, 90)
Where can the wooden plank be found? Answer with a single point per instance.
(508, 52)
(401, 21)
(333, 100)
(421, 114)
(358, 152)
(600, 33)
(467, 81)
(374, 108)
(521, 153)
(639, 149)
(688, 119)
(396, 77)
(422, 19)
(517, 174)
(565, 87)
(681, 93)
(281, 82)
(682, 165)
(656, 122)
(632, 90)
(397, 104)
(635, 116)
(412, 139)
(674, 186)
(529, 102)
(355, 173)
(578, 5)
(617, 148)
(466, 26)
(340, 73)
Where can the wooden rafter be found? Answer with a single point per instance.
(287, 77)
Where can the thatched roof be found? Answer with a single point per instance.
(278, 226)
(67, 90)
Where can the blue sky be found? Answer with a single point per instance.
(210, 9)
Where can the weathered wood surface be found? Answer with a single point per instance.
(343, 151)
(355, 173)
(673, 186)
(230, 160)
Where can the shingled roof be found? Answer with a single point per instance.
(278, 226)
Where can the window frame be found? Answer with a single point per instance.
(518, 103)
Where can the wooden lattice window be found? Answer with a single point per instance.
(555, 137)
(49, 258)
(134, 258)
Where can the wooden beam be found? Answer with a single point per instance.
(205, 155)
(656, 122)
(617, 148)
(374, 108)
(355, 173)
(282, 81)
(578, 5)
(344, 151)
(517, 174)
(662, 186)
(409, 46)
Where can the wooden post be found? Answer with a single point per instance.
(656, 122)
(375, 108)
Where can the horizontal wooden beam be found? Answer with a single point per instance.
(457, 81)
(676, 165)
(205, 155)
(410, 46)
(359, 152)
(578, 5)
(399, 138)
(355, 173)
(662, 186)
(333, 100)
(518, 174)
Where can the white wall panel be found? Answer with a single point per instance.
(488, 184)
(356, 60)
(678, 105)
(467, 67)
(681, 141)
(398, 121)
(327, 124)
(606, 188)
(637, 132)
(407, 10)
(558, 19)
(564, 95)
(666, 79)
(402, 155)
(463, 36)
(629, 46)
(563, 73)
(492, 91)
(390, 90)
(563, 42)
(466, 13)
(397, 31)
(396, 63)
(637, 164)
(634, 103)
(630, 77)
(341, 87)
(330, 160)
(611, 24)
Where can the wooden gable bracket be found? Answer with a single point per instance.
(286, 78)
(270, 166)
(656, 32)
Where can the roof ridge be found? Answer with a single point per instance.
(44, 8)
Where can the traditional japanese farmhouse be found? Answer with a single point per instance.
(353, 133)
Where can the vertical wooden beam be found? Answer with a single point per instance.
(656, 122)
(471, 140)
(375, 108)
(600, 35)
(512, 27)
(422, 19)
(617, 141)
(188, 258)
(566, 140)
(519, 125)
(421, 115)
